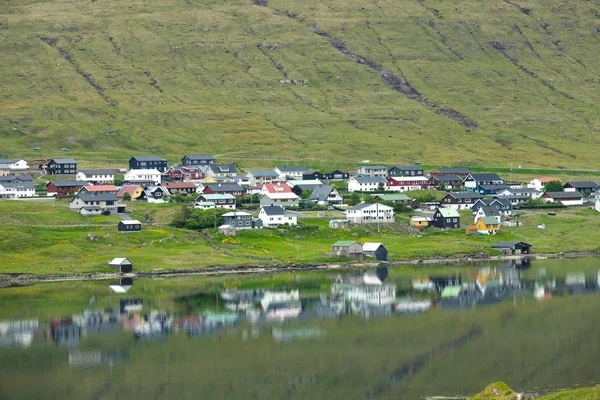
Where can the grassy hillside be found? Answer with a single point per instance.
(261, 81)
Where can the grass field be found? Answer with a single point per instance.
(445, 83)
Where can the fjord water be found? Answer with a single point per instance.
(405, 332)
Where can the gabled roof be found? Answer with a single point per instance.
(297, 168)
(263, 173)
(119, 261)
(448, 178)
(320, 193)
(101, 188)
(225, 187)
(582, 185)
(407, 168)
(392, 197)
(97, 171)
(63, 161)
(154, 188)
(224, 196)
(10, 160)
(12, 178)
(505, 245)
(18, 185)
(131, 222)
(546, 179)
(465, 195)
(96, 197)
(564, 195)
(68, 183)
(485, 177)
(147, 158)
(273, 210)
(236, 214)
(369, 246)
(129, 189)
(344, 243)
(369, 179)
(180, 185)
(449, 213)
(522, 190)
(277, 188)
(489, 202)
(489, 211)
(199, 157)
(228, 168)
(490, 220)
(497, 186)
(382, 207)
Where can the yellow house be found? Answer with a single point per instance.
(485, 226)
(420, 222)
(134, 191)
(209, 180)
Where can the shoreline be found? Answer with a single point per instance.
(20, 279)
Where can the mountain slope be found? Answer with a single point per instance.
(462, 82)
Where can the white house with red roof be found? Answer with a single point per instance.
(539, 183)
(278, 194)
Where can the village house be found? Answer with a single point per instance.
(393, 198)
(312, 175)
(278, 194)
(348, 249)
(96, 176)
(446, 182)
(16, 179)
(502, 205)
(64, 188)
(262, 177)
(421, 222)
(106, 202)
(336, 175)
(241, 180)
(231, 188)
(4, 172)
(462, 172)
(148, 163)
(16, 190)
(339, 224)
(513, 248)
(186, 173)
(326, 195)
(375, 250)
(121, 265)
(488, 190)
(129, 225)
(484, 226)
(98, 189)
(274, 216)
(529, 192)
(221, 171)
(372, 171)
(61, 166)
(156, 194)
(197, 159)
(369, 213)
(181, 187)
(366, 184)
(291, 172)
(446, 218)
(143, 175)
(588, 187)
(566, 198)
(473, 180)
(487, 211)
(299, 187)
(460, 200)
(218, 201)
(404, 184)
(539, 183)
(238, 220)
(13, 164)
(514, 199)
(135, 192)
(405, 170)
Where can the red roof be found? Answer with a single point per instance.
(180, 185)
(101, 188)
(129, 189)
(277, 188)
(546, 180)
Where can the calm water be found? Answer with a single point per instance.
(385, 333)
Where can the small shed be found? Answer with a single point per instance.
(339, 224)
(90, 210)
(347, 248)
(130, 225)
(514, 248)
(227, 230)
(375, 250)
(420, 222)
(122, 265)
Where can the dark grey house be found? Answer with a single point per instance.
(336, 175)
(312, 175)
(238, 220)
(347, 248)
(129, 225)
(446, 218)
(581, 187)
(513, 247)
(375, 250)
(148, 162)
(198, 159)
(61, 166)
(473, 180)
(121, 265)
(503, 205)
(460, 200)
(405, 170)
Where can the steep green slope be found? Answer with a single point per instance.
(442, 82)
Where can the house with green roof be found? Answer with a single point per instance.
(446, 218)
(347, 248)
(394, 198)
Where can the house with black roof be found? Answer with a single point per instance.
(274, 216)
(61, 166)
(473, 180)
(446, 181)
(312, 175)
(106, 201)
(587, 187)
(462, 172)
(197, 159)
(489, 190)
(326, 195)
(148, 162)
(460, 200)
(405, 170)
(503, 205)
(513, 248)
(336, 175)
(66, 188)
(231, 188)
(566, 198)
(221, 170)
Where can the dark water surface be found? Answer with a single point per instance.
(397, 333)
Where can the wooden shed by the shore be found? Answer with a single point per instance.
(513, 248)
(121, 265)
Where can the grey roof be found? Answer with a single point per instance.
(263, 173)
(225, 187)
(273, 210)
(199, 157)
(147, 158)
(365, 205)
(582, 185)
(448, 178)
(9, 160)
(96, 197)
(22, 185)
(320, 193)
(370, 179)
(91, 208)
(500, 199)
(489, 211)
(98, 171)
(12, 178)
(293, 169)
(564, 195)
(465, 195)
(67, 183)
(308, 186)
(407, 167)
(486, 177)
(229, 168)
(501, 245)
(64, 160)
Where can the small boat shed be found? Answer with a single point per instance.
(121, 265)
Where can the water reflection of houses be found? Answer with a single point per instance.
(155, 325)
(281, 306)
(18, 333)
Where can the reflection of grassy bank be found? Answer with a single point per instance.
(501, 391)
(48, 247)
